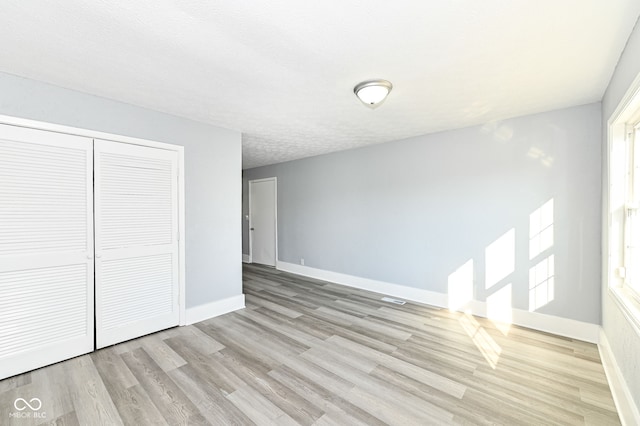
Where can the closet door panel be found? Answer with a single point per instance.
(136, 241)
(46, 248)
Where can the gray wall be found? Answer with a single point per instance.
(411, 212)
(623, 339)
(212, 173)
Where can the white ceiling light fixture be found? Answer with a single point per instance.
(373, 92)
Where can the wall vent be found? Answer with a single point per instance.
(392, 300)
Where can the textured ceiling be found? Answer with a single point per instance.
(283, 71)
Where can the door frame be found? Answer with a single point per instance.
(93, 134)
(275, 214)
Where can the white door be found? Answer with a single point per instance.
(263, 221)
(46, 248)
(136, 232)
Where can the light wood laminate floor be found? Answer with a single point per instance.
(314, 353)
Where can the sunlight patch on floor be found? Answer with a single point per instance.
(487, 346)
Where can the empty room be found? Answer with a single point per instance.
(320, 213)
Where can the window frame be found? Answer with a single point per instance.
(632, 206)
(615, 205)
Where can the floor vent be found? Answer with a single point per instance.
(391, 300)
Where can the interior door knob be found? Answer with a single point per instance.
(251, 229)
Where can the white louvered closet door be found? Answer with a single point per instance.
(46, 248)
(136, 232)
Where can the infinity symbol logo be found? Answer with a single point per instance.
(21, 402)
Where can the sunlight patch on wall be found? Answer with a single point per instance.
(461, 286)
(499, 309)
(500, 258)
(501, 132)
(541, 229)
(538, 154)
(541, 283)
(487, 346)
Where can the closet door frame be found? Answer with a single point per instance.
(38, 125)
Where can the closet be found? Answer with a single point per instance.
(89, 243)
(136, 240)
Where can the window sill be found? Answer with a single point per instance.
(628, 304)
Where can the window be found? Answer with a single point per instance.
(621, 227)
(631, 258)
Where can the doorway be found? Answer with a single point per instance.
(263, 221)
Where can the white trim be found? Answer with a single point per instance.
(627, 410)
(94, 134)
(560, 326)
(625, 102)
(246, 258)
(541, 322)
(275, 214)
(395, 290)
(182, 275)
(627, 305)
(250, 222)
(612, 285)
(214, 309)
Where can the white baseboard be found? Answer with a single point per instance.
(246, 258)
(627, 410)
(566, 327)
(214, 309)
(410, 293)
(547, 323)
